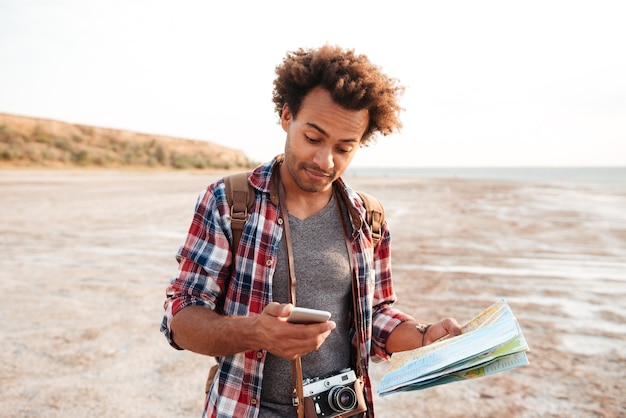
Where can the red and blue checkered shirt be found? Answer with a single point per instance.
(205, 278)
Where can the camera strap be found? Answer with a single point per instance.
(297, 396)
(296, 365)
(361, 407)
(356, 299)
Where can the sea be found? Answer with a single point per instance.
(590, 175)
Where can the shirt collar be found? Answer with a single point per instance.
(262, 179)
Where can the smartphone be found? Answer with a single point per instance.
(307, 316)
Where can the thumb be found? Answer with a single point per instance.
(280, 310)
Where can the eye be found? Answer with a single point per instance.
(344, 150)
(311, 140)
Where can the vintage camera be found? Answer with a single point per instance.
(333, 395)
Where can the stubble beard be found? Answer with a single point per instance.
(297, 172)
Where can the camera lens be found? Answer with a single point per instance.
(342, 398)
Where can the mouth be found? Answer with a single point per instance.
(317, 174)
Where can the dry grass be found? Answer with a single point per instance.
(32, 142)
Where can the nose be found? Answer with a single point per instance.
(323, 158)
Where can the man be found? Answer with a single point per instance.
(330, 102)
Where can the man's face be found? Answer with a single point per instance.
(321, 140)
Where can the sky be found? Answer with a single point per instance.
(488, 83)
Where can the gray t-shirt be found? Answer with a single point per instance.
(323, 282)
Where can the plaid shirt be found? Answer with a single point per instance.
(205, 278)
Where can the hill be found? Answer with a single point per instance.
(33, 142)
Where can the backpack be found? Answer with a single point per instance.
(240, 197)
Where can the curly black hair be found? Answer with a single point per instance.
(352, 80)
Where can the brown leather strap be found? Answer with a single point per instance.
(288, 244)
(240, 197)
(297, 397)
(355, 287)
(374, 216)
(296, 365)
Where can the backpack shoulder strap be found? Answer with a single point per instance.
(374, 215)
(240, 197)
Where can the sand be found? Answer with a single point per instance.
(86, 257)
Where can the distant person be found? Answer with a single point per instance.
(330, 102)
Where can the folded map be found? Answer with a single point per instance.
(491, 342)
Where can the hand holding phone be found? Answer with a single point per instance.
(307, 316)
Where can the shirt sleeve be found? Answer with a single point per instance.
(384, 317)
(203, 260)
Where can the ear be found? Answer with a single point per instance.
(286, 117)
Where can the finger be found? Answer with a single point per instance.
(452, 326)
(278, 309)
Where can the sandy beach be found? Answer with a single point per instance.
(86, 257)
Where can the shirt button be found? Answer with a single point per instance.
(268, 263)
(280, 221)
(253, 401)
(259, 354)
